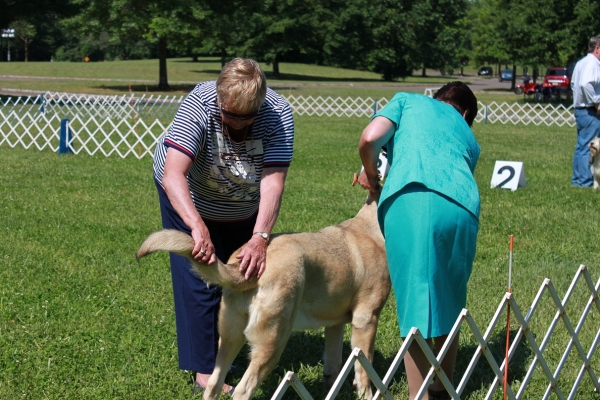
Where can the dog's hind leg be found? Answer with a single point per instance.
(332, 359)
(364, 329)
(231, 328)
(264, 357)
(269, 328)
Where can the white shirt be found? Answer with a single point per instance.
(586, 82)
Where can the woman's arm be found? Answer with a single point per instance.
(253, 256)
(177, 167)
(374, 136)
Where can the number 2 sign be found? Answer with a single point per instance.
(508, 175)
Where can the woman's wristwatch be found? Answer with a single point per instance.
(264, 235)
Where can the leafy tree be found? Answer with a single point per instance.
(583, 26)
(129, 21)
(437, 34)
(486, 40)
(375, 35)
(277, 31)
(25, 32)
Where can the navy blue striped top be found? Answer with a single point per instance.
(225, 176)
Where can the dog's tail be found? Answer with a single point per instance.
(218, 273)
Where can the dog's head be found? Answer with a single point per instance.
(594, 146)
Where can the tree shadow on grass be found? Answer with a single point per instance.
(139, 89)
(199, 61)
(306, 349)
(299, 77)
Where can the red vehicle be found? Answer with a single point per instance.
(557, 77)
(557, 84)
(528, 86)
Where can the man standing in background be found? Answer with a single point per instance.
(586, 100)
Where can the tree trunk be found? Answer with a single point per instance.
(195, 58)
(514, 79)
(424, 71)
(163, 83)
(276, 67)
(26, 48)
(223, 57)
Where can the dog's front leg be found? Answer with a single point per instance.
(364, 329)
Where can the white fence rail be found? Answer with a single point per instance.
(129, 125)
(546, 294)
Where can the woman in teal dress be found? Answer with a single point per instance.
(428, 212)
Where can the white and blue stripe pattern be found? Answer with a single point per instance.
(225, 176)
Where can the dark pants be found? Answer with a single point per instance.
(588, 127)
(197, 304)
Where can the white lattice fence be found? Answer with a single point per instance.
(525, 336)
(121, 137)
(128, 125)
(29, 130)
(335, 106)
(528, 113)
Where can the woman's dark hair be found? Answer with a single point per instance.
(459, 96)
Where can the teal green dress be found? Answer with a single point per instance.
(429, 211)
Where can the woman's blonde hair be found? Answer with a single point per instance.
(242, 86)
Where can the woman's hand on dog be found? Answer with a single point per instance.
(253, 257)
(369, 182)
(203, 250)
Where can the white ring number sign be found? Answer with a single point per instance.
(508, 175)
(383, 167)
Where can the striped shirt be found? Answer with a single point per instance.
(225, 176)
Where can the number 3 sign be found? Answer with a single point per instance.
(508, 175)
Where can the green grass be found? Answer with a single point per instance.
(117, 77)
(80, 318)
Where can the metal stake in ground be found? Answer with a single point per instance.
(510, 260)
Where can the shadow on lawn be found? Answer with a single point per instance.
(306, 349)
(483, 376)
(297, 77)
(140, 89)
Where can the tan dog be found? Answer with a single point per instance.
(328, 278)
(595, 161)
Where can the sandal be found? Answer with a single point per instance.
(198, 389)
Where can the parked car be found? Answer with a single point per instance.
(557, 84)
(506, 75)
(485, 71)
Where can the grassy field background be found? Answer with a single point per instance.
(141, 77)
(80, 318)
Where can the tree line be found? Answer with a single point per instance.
(389, 37)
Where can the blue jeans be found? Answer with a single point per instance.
(588, 127)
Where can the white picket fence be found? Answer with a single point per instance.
(546, 295)
(130, 125)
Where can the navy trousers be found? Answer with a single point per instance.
(588, 127)
(197, 304)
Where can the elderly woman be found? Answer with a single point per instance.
(220, 173)
(428, 213)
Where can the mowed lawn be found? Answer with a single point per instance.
(140, 77)
(80, 318)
